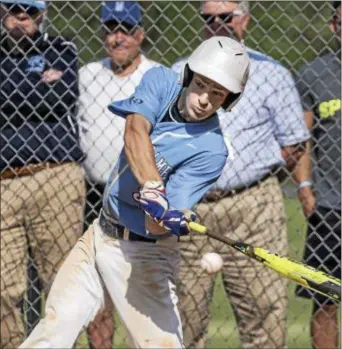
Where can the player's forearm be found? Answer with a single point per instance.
(139, 149)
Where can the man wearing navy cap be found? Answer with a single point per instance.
(42, 184)
(110, 79)
(121, 11)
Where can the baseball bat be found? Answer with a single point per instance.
(303, 274)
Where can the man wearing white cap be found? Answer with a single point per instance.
(42, 184)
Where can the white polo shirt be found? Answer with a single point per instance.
(101, 132)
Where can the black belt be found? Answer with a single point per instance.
(219, 194)
(118, 231)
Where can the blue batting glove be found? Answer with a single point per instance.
(152, 200)
(177, 221)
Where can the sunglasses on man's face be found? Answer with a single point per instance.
(223, 17)
(17, 9)
(112, 27)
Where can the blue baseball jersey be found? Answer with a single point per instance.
(189, 156)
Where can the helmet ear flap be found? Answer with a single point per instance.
(231, 100)
(186, 76)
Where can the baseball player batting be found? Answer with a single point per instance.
(174, 151)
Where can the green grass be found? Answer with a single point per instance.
(222, 330)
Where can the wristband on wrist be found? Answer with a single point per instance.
(304, 184)
(154, 185)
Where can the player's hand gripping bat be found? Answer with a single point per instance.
(303, 274)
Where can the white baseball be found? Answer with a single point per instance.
(211, 263)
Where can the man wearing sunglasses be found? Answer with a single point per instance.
(42, 184)
(228, 19)
(110, 79)
(264, 132)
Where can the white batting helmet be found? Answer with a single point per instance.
(222, 60)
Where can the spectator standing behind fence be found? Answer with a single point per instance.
(319, 84)
(111, 79)
(42, 185)
(264, 131)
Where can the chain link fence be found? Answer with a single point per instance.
(292, 32)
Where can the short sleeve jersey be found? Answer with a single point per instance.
(189, 156)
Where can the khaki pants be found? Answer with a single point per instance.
(258, 295)
(43, 211)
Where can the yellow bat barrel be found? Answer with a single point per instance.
(301, 273)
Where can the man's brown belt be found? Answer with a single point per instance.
(27, 170)
(218, 194)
